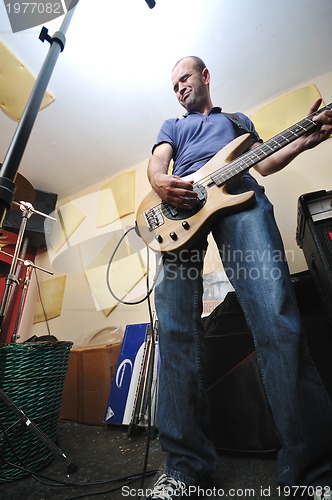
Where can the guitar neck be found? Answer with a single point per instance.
(254, 156)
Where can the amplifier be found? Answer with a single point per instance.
(314, 237)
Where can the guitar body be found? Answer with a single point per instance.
(167, 230)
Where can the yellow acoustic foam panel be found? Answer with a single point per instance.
(16, 84)
(116, 199)
(284, 111)
(51, 293)
(112, 241)
(69, 218)
(123, 275)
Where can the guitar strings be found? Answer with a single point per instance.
(226, 172)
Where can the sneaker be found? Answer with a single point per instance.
(325, 495)
(323, 487)
(167, 488)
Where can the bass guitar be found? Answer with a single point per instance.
(165, 228)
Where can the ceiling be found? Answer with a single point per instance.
(112, 81)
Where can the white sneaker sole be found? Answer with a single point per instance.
(325, 495)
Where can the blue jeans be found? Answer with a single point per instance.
(251, 248)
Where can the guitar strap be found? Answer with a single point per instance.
(238, 121)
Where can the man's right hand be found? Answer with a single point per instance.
(175, 190)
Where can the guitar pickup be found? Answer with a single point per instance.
(200, 196)
(201, 192)
(174, 211)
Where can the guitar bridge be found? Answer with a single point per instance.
(153, 218)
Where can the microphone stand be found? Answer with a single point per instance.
(21, 136)
(27, 210)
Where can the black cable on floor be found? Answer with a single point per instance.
(47, 481)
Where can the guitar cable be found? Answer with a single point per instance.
(149, 290)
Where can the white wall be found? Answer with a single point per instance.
(79, 318)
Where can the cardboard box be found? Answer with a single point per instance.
(88, 383)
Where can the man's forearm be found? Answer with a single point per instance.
(279, 160)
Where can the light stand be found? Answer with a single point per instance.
(21, 136)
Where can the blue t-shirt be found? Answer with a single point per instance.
(195, 138)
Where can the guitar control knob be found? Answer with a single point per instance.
(159, 238)
(185, 225)
(173, 235)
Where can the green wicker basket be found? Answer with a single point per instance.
(32, 375)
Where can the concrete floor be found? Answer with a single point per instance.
(100, 454)
(105, 454)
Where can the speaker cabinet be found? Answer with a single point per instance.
(314, 237)
(37, 226)
(241, 419)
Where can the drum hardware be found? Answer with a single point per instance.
(13, 276)
(30, 267)
(4, 268)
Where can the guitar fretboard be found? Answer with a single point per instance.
(254, 156)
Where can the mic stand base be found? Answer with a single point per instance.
(71, 467)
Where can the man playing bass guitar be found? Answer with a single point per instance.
(290, 378)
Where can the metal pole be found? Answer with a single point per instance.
(21, 136)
